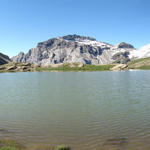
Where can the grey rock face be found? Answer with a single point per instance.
(4, 59)
(71, 49)
(77, 37)
(20, 57)
(121, 57)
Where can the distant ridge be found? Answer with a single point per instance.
(4, 59)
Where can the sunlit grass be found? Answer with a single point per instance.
(83, 68)
(9, 148)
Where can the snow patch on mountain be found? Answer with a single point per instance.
(143, 52)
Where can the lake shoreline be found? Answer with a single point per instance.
(74, 67)
(9, 144)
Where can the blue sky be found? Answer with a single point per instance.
(24, 23)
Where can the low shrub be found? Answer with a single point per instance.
(62, 147)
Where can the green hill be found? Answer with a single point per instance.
(143, 63)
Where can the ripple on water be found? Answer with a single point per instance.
(82, 110)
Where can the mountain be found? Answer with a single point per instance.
(75, 49)
(4, 59)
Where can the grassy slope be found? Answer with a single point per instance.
(143, 63)
(84, 68)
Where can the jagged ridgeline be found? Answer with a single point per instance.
(75, 49)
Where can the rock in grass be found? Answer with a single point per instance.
(116, 141)
(11, 68)
(119, 67)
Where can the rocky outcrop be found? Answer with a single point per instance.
(17, 67)
(120, 67)
(4, 59)
(74, 49)
(125, 45)
(121, 57)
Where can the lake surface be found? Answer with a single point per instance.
(82, 109)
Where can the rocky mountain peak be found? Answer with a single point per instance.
(74, 49)
(20, 57)
(125, 45)
(75, 37)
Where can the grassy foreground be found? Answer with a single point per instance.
(13, 145)
(108, 144)
(10, 145)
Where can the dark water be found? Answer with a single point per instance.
(85, 110)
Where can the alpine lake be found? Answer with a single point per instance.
(86, 110)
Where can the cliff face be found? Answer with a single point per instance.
(74, 48)
(4, 59)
